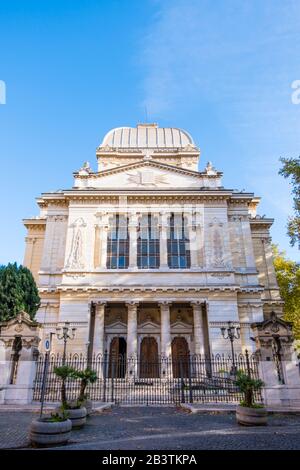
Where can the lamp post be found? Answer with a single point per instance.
(64, 333)
(231, 333)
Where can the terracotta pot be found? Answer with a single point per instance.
(46, 433)
(251, 416)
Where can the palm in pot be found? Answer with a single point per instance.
(87, 376)
(248, 412)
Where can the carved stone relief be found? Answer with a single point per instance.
(76, 257)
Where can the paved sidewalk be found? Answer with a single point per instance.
(98, 407)
(230, 408)
(161, 428)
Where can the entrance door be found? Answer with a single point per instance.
(180, 357)
(149, 367)
(117, 358)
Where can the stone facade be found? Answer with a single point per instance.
(150, 247)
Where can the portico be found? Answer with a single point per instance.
(164, 321)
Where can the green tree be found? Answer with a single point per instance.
(291, 169)
(288, 278)
(18, 291)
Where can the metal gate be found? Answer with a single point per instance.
(121, 380)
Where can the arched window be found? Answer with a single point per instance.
(148, 242)
(178, 243)
(118, 243)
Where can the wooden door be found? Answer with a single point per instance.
(117, 358)
(180, 357)
(149, 367)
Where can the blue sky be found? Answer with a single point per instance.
(222, 70)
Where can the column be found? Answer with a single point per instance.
(163, 240)
(103, 241)
(132, 329)
(166, 350)
(198, 328)
(98, 340)
(133, 222)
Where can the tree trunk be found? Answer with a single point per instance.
(249, 397)
(63, 393)
(83, 385)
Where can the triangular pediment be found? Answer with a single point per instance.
(146, 175)
(180, 326)
(149, 327)
(116, 326)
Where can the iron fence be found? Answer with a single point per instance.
(121, 380)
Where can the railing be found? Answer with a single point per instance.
(124, 380)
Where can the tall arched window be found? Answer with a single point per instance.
(148, 242)
(118, 243)
(178, 243)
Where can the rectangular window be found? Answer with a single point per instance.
(178, 243)
(148, 242)
(118, 243)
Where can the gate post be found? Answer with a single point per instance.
(278, 366)
(19, 341)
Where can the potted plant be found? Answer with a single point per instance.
(248, 412)
(87, 376)
(76, 412)
(56, 428)
(50, 430)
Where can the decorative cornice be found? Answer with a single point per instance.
(132, 289)
(149, 163)
(260, 222)
(36, 223)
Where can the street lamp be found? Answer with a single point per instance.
(231, 333)
(63, 333)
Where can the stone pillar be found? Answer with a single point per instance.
(278, 366)
(132, 329)
(133, 241)
(19, 339)
(166, 343)
(199, 340)
(98, 341)
(163, 240)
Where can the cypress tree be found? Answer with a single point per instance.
(18, 291)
